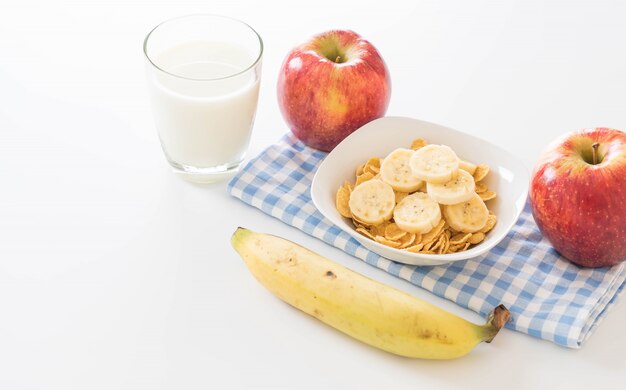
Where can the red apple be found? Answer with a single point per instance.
(330, 86)
(578, 196)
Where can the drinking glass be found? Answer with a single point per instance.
(203, 77)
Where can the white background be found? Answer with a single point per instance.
(115, 273)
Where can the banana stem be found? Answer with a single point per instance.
(496, 320)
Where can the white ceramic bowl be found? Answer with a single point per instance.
(508, 177)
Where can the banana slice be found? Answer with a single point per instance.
(417, 213)
(467, 166)
(372, 202)
(434, 164)
(396, 172)
(467, 217)
(457, 190)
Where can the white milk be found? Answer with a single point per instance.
(204, 123)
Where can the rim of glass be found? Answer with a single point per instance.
(252, 65)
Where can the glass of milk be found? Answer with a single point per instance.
(203, 77)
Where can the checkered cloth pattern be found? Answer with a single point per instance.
(548, 297)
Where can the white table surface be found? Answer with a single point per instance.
(117, 274)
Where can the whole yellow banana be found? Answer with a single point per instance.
(367, 310)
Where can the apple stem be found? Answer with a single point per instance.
(594, 151)
(337, 59)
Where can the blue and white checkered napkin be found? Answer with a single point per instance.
(548, 297)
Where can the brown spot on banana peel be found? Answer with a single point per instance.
(440, 338)
(331, 274)
(425, 334)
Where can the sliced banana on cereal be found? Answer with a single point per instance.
(372, 202)
(457, 190)
(434, 164)
(467, 217)
(417, 213)
(396, 172)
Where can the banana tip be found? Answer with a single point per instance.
(237, 236)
